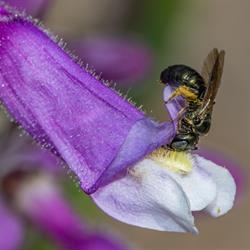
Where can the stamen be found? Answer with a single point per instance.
(178, 162)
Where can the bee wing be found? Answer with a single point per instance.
(208, 65)
(211, 73)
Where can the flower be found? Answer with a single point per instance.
(236, 169)
(112, 147)
(124, 61)
(40, 200)
(67, 109)
(11, 233)
(29, 185)
(33, 7)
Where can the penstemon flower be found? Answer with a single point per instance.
(32, 7)
(235, 168)
(123, 61)
(11, 233)
(30, 192)
(113, 148)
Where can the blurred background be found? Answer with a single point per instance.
(130, 43)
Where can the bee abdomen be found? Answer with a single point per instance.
(178, 75)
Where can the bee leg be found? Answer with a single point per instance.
(174, 94)
(179, 115)
(183, 91)
(181, 112)
(189, 122)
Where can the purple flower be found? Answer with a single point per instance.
(33, 7)
(40, 200)
(67, 109)
(28, 183)
(11, 231)
(111, 146)
(122, 61)
(234, 167)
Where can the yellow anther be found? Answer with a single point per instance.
(178, 162)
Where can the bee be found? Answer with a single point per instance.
(199, 92)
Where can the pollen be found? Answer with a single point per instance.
(185, 91)
(178, 162)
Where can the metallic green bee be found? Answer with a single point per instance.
(199, 92)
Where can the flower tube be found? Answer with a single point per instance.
(67, 109)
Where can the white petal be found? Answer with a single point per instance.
(198, 186)
(147, 197)
(226, 188)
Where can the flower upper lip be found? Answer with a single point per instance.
(144, 137)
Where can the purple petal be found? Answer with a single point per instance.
(226, 188)
(234, 168)
(66, 108)
(100, 242)
(147, 197)
(32, 7)
(42, 203)
(119, 60)
(174, 106)
(198, 186)
(11, 230)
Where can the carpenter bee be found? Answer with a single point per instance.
(199, 92)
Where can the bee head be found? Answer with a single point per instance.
(165, 76)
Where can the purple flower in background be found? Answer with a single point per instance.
(11, 233)
(41, 202)
(112, 147)
(120, 60)
(27, 178)
(32, 7)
